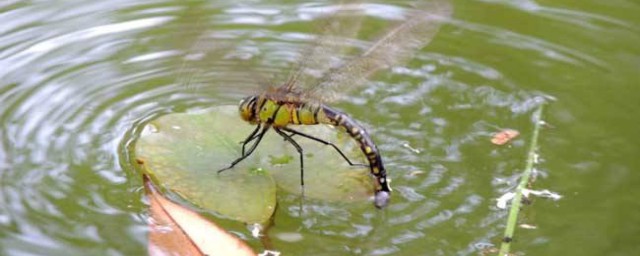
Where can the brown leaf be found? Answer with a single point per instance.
(177, 230)
(504, 136)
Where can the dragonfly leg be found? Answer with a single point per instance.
(249, 138)
(253, 147)
(294, 132)
(288, 138)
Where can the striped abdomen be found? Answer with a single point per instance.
(368, 148)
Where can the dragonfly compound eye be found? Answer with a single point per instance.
(246, 108)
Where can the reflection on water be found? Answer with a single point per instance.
(77, 77)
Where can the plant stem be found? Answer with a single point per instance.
(524, 180)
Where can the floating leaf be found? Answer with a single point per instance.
(327, 175)
(504, 136)
(176, 230)
(183, 151)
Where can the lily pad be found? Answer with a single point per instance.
(184, 151)
(327, 176)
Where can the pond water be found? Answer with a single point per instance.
(78, 78)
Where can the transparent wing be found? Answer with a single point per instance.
(214, 62)
(392, 48)
(339, 24)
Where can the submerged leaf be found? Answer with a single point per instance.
(176, 230)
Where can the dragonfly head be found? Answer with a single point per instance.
(247, 108)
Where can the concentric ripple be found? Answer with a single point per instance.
(78, 79)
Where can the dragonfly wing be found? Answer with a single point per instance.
(206, 54)
(393, 48)
(340, 25)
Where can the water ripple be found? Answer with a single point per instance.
(80, 78)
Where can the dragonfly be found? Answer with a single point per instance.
(301, 99)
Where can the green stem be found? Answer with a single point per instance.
(517, 199)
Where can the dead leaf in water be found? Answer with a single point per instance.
(177, 230)
(504, 136)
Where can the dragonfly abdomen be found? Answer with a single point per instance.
(369, 149)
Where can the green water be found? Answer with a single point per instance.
(77, 78)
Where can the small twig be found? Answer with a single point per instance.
(517, 199)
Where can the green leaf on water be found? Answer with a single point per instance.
(183, 152)
(327, 176)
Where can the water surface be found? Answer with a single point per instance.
(77, 78)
